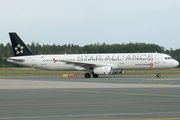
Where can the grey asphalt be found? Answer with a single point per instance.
(107, 97)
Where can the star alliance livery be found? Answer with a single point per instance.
(94, 64)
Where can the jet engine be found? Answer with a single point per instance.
(102, 70)
(117, 71)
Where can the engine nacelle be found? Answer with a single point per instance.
(117, 71)
(102, 70)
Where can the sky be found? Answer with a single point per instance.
(84, 22)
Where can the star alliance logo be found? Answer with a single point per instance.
(19, 49)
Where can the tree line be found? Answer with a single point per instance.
(6, 50)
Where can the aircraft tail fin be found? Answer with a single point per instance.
(19, 47)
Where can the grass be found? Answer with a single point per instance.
(36, 72)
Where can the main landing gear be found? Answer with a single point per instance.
(88, 75)
(95, 75)
(158, 74)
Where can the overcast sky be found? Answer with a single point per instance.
(83, 22)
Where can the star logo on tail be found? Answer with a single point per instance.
(19, 49)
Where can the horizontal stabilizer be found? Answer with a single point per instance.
(16, 59)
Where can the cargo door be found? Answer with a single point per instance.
(34, 65)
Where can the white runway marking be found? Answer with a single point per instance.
(33, 84)
(92, 115)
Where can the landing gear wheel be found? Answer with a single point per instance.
(158, 75)
(87, 75)
(95, 75)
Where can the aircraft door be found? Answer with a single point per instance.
(157, 59)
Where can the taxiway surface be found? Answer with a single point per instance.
(107, 97)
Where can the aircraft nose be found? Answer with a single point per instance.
(176, 63)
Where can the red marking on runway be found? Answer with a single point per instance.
(72, 75)
(88, 103)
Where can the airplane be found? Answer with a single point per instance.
(94, 64)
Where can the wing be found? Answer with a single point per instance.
(85, 65)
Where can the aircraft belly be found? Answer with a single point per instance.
(56, 66)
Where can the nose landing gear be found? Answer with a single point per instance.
(158, 74)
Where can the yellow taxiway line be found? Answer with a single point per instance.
(122, 93)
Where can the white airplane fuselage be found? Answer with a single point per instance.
(95, 64)
(119, 61)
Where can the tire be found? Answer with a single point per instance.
(95, 75)
(158, 75)
(87, 75)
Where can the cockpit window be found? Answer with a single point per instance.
(167, 58)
